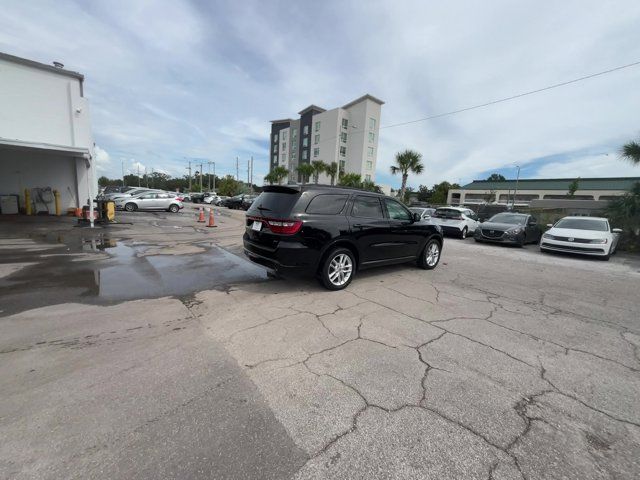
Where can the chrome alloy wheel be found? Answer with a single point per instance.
(432, 253)
(340, 269)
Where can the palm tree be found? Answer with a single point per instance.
(276, 175)
(332, 171)
(318, 167)
(631, 152)
(350, 180)
(407, 161)
(305, 170)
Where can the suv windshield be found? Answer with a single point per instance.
(274, 204)
(512, 218)
(583, 224)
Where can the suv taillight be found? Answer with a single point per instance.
(286, 227)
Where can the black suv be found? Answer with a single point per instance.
(332, 232)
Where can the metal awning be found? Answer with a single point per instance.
(45, 147)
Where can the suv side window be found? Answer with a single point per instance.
(396, 211)
(367, 207)
(327, 204)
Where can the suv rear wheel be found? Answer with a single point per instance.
(338, 269)
(463, 233)
(430, 255)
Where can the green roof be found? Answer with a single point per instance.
(613, 183)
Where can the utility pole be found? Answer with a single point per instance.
(214, 174)
(516, 189)
(200, 177)
(237, 170)
(189, 175)
(123, 173)
(138, 174)
(249, 172)
(251, 176)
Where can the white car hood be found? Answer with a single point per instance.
(576, 233)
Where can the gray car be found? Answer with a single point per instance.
(150, 201)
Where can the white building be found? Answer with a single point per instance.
(45, 132)
(347, 135)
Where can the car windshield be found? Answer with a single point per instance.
(583, 224)
(418, 210)
(447, 213)
(512, 218)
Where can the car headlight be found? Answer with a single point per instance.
(601, 241)
(548, 235)
(514, 231)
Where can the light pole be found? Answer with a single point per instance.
(515, 193)
(214, 174)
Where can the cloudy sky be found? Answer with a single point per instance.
(176, 80)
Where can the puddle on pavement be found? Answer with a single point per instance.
(120, 272)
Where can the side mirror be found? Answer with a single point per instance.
(533, 224)
(416, 217)
(617, 230)
(549, 225)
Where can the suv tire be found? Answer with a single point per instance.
(338, 269)
(430, 255)
(463, 233)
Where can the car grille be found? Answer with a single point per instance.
(492, 233)
(572, 248)
(574, 240)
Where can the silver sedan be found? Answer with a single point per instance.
(150, 201)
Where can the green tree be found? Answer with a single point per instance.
(277, 175)
(104, 181)
(489, 197)
(319, 167)
(370, 186)
(573, 187)
(332, 171)
(440, 192)
(406, 162)
(631, 152)
(424, 193)
(305, 170)
(350, 180)
(228, 186)
(496, 177)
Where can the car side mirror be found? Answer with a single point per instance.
(549, 225)
(617, 230)
(416, 217)
(533, 224)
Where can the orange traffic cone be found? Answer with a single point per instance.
(201, 216)
(212, 222)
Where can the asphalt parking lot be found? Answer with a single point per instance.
(502, 363)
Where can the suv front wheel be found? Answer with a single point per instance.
(338, 269)
(430, 255)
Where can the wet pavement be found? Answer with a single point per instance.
(113, 264)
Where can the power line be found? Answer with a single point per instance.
(493, 102)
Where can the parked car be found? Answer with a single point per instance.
(510, 228)
(584, 235)
(129, 193)
(150, 201)
(334, 232)
(425, 213)
(211, 199)
(457, 221)
(233, 202)
(247, 200)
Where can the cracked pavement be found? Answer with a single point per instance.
(500, 364)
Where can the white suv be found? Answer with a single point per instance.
(458, 221)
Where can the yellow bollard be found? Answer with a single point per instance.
(27, 202)
(56, 196)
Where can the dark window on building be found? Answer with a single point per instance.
(327, 204)
(368, 207)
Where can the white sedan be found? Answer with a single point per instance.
(585, 235)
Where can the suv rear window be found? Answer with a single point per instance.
(327, 204)
(274, 204)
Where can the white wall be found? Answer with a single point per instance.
(41, 107)
(358, 137)
(329, 138)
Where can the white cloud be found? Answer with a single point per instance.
(102, 160)
(603, 165)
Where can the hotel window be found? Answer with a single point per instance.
(343, 137)
(370, 152)
(284, 145)
(305, 130)
(316, 152)
(369, 164)
(343, 151)
(275, 159)
(294, 133)
(304, 154)
(284, 135)
(367, 178)
(305, 142)
(316, 140)
(275, 138)
(317, 126)
(345, 123)
(372, 123)
(284, 158)
(342, 165)
(275, 148)
(372, 137)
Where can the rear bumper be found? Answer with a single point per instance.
(451, 230)
(595, 250)
(288, 257)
